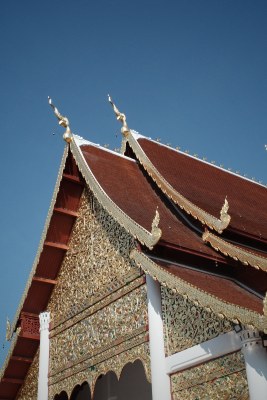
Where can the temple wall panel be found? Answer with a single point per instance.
(97, 261)
(187, 324)
(99, 306)
(30, 385)
(223, 378)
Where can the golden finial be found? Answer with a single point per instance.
(120, 117)
(63, 121)
(155, 230)
(224, 216)
(8, 330)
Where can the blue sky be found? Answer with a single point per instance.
(193, 73)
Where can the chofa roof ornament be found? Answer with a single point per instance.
(120, 117)
(155, 230)
(8, 330)
(224, 216)
(63, 121)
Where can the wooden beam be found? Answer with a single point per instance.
(59, 246)
(73, 178)
(64, 211)
(44, 280)
(22, 359)
(13, 381)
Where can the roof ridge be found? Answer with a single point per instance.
(81, 141)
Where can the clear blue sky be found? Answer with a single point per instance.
(193, 73)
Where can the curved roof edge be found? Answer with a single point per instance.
(237, 253)
(190, 208)
(43, 237)
(147, 238)
(210, 302)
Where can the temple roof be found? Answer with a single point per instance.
(171, 203)
(206, 186)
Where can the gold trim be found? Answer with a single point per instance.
(135, 339)
(207, 219)
(193, 293)
(42, 240)
(100, 353)
(9, 354)
(235, 252)
(132, 227)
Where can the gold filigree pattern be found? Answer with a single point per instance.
(186, 325)
(92, 306)
(99, 331)
(200, 297)
(223, 378)
(115, 363)
(137, 231)
(99, 306)
(235, 252)
(30, 385)
(97, 259)
(218, 224)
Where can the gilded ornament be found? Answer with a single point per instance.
(224, 216)
(187, 324)
(237, 253)
(99, 306)
(223, 378)
(120, 117)
(9, 332)
(63, 121)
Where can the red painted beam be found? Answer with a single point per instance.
(66, 212)
(22, 359)
(44, 280)
(59, 246)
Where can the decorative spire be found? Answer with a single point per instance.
(224, 216)
(8, 330)
(120, 117)
(63, 121)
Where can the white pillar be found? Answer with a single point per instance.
(43, 356)
(161, 388)
(256, 364)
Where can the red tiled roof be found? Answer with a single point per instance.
(218, 286)
(206, 186)
(125, 184)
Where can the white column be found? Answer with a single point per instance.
(256, 364)
(43, 356)
(161, 388)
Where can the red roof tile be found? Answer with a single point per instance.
(125, 184)
(206, 186)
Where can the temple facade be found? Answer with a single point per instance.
(149, 281)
